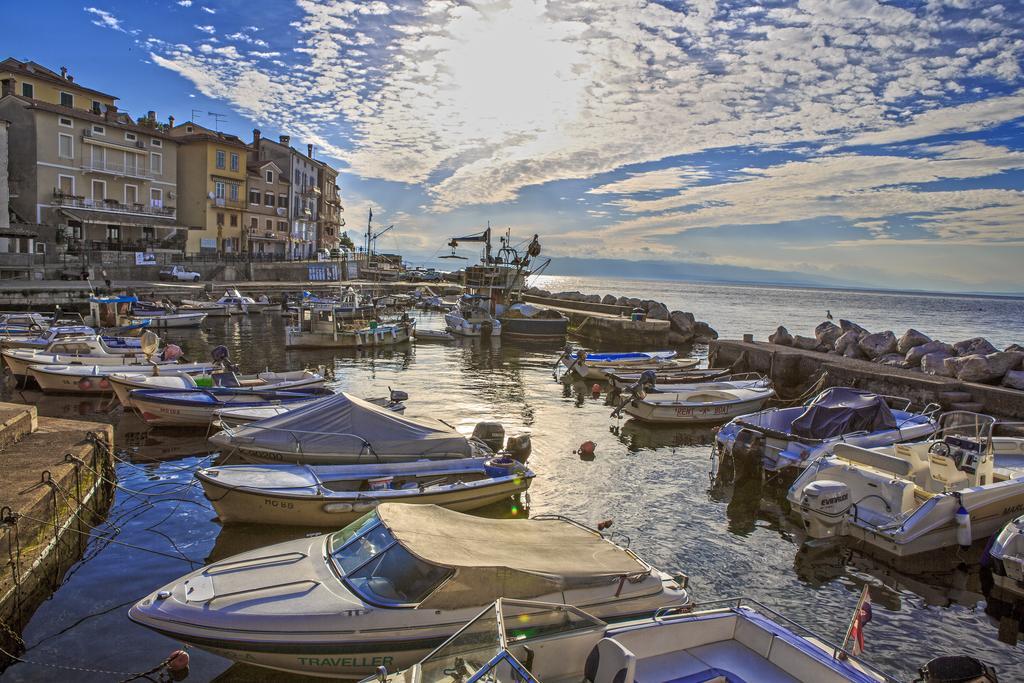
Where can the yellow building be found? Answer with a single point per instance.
(212, 188)
(35, 82)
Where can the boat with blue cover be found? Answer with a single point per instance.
(197, 406)
(601, 366)
(737, 640)
(789, 438)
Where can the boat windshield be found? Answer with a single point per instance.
(489, 647)
(380, 570)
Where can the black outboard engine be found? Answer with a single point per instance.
(956, 669)
(486, 328)
(747, 453)
(519, 447)
(491, 433)
(398, 396)
(648, 380)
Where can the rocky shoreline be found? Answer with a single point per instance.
(685, 328)
(970, 360)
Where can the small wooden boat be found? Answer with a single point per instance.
(335, 495)
(196, 407)
(96, 379)
(124, 383)
(699, 403)
(433, 335)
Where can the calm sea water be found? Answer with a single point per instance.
(655, 483)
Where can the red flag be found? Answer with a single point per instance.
(861, 617)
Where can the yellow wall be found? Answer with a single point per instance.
(50, 92)
(197, 177)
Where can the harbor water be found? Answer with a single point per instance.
(656, 484)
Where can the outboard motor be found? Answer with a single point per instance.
(519, 447)
(825, 503)
(747, 453)
(491, 433)
(648, 379)
(398, 396)
(956, 669)
(486, 328)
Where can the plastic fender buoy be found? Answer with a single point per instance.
(85, 384)
(178, 661)
(104, 383)
(586, 450)
(963, 527)
(595, 390)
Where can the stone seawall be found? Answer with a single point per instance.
(794, 370)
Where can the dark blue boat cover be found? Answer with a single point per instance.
(841, 410)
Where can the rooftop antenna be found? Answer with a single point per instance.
(217, 118)
(196, 113)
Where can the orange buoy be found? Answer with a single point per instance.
(595, 390)
(604, 524)
(178, 661)
(586, 450)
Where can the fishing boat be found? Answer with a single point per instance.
(229, 418)
(472, 319)
(915, 497)
(726, 641)
(702, 402)
(123, 383)
(321, 328)
(1004, 562)
(344, 429)
(336, 495)
(781, 438)
(170, 407)
(239, 304)
(393, 585)
(80, 351)
(98, 379)
(597, 366)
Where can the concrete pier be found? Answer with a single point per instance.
(54, 485)
(793, 370)
(608, 323)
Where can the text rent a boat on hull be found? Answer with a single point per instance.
(916, 497)
(392, 586)
(780, 438)
(730, 641)
(344, 429)
(335, 495)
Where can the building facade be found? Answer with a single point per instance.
(329, 208)
(302, 194)
(267, 220)
(86, 175)
(212, 175)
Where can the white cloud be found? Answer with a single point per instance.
(674, 178)
(185, 3)
(208, 10)
(205, 29)
(105, 19)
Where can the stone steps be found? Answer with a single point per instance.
(970, 406)
(16, 422)
(950, 397)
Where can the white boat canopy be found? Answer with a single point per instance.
(346, 424)
(518, 558)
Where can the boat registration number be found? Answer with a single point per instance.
(703, 410)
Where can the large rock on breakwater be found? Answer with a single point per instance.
(935, 364)
(846, 326)
(915, 354)
(878, 344)
(910, 339)
(973, 347)
(827, 333)
(806, 343)
(781, 336)
(1014, 379)
(846, 340)
(989, 368)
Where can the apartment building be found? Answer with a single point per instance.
(85, 174)
(329, 208)
(302, 194)
(266, 217)
(212, 174)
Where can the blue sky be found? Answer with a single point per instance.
(871, 142)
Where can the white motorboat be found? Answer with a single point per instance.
(230, 418)
(914, 497)
(84, 351)
(472, 319)
(335, 495)
(237, 303)
(433, 335)
(344, 429)
(124, 383)
(166, 321)
(728, 641)
(702, 402)
(97, 379)
(323, 328)
(1004, 562)
(41, 339)
(780, 438)
(393, 585)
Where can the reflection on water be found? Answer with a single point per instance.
(658, 484)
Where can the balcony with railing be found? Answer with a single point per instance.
(67, 200)
(111, 141)
(118, 170)
(225, 203)
(261, 234)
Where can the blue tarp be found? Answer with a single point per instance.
(113, 300)
(841, 410)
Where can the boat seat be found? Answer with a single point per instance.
(944, 474)
(610, 662)
(901, 467)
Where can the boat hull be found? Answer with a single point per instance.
(19, 364)
(540, 329)
(685, 413)
(295, 339)
(169, 321)
(157, 412)
(252, 505)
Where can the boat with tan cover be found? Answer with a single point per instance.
(393, 585)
